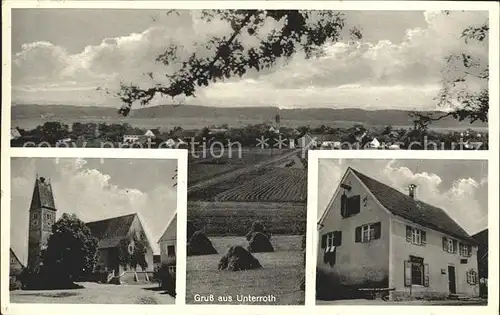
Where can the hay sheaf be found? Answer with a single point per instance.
(199, 244)
(238, 258)
(259, 243)
(257, 226)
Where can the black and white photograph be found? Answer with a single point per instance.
(201, 79)
(93, 231)
(402, 231)
(252, 93)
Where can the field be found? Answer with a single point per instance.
(202, 168)
(236, 218)
(275, 185)
(279, 277)
(94, 293)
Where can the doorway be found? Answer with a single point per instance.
(451, 280)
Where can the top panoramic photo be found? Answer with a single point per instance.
(229, 80)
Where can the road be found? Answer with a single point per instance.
(95, 293)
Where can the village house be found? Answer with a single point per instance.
(168, 242)
(374, 236)
(134, 137)
(109, 233)
(311, 141)
(15, 267)
(15, 134)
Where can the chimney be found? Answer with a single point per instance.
(412, 190)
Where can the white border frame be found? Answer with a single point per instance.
(493, 223)
(105, 154)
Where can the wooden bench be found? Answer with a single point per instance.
(376, 293)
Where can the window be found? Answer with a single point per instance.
(331, 240)
(471, 277)
(465, 250)
(415, 236)
(416, 272)
(170, 250)
(449, 245)
(367, 232)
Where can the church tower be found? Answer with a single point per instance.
(42, 215)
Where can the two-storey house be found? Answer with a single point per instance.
(374, 236)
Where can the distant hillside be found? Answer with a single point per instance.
(263, 114)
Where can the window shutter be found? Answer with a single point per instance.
(343, 205)
(467, 276)
(323, 241)
(357, 236)
(445, 244)
(424, 238)
(354, 205)
(407, 273)
(454, 246)
(337, 238)
(469, 250)
(377, 230)
(408, 233)
(426, 275)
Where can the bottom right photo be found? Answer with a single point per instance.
(402, 231)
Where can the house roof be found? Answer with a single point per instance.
(15, 271)
(482, 237)
(171, 226)
(14, 133)
(42, 195)
(416, 211)
(109, 232)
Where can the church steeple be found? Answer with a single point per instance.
(42, 195)
(42, 215)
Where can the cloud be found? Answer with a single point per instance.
(389, 74)
(463, 199)
(90, 194)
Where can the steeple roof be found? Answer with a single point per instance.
(42, 195)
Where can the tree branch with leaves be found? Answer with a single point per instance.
(464, 92)
(297, 31)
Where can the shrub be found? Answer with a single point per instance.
(259, 243)
(165, 278)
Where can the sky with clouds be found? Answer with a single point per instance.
(397, 64)
(460, 187)
(95, 191)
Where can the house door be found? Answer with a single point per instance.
(451, 280)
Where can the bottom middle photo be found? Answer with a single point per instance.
(246, 230)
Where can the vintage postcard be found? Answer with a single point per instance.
(257, 96)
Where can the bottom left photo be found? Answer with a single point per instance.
(93, 230)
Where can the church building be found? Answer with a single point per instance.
(109, 232)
